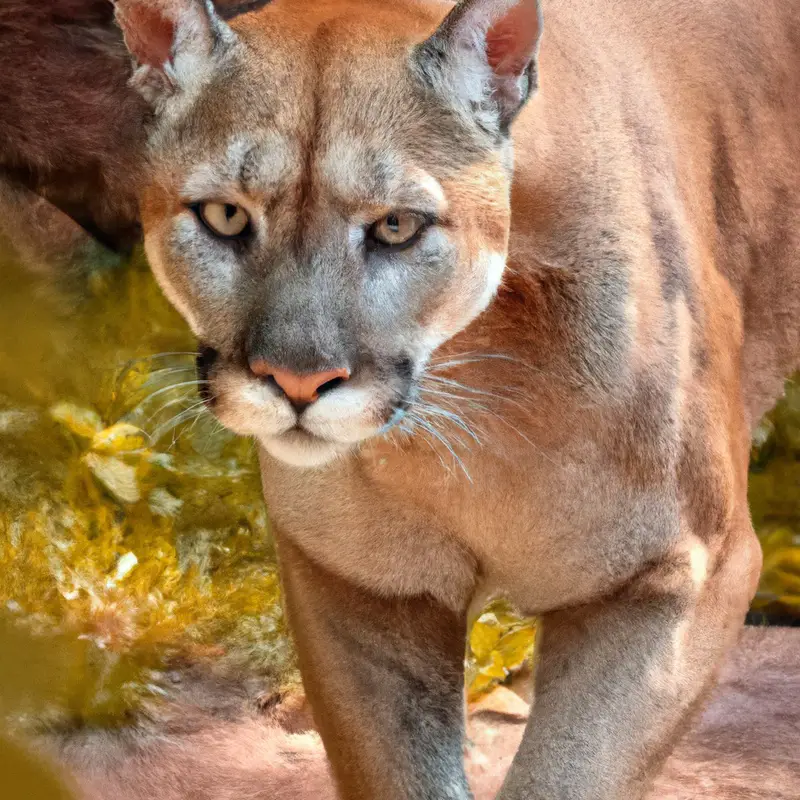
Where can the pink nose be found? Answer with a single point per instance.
(301, 390)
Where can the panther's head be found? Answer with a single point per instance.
(328, 197)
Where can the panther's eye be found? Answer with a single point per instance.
(397, 229)
(226, 220)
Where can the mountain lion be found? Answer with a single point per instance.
(465, 384)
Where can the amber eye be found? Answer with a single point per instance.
(224, 219)
(397, 229)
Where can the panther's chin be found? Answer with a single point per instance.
(297, 448)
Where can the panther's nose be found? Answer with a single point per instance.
(300, 390)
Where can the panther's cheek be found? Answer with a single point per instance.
(492, 265)
(469, 296)
(159, 264)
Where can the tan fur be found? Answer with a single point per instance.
(647, 317)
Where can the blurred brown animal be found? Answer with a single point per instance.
(70, 126)
(71, 131)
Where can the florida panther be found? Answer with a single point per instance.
(500, 291)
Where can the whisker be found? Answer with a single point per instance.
(183, 416)
(157, 373)
(476, 354)
(471, 419)
(482, 392)
(135, 363)
(157, 356)
(474, 358)
(441, 366)
(414, 422)
(197, 418)
(439, 393)
(171, 387)
(486, 410)
(169, 404)
(522, 436)
(449, 415)
(156, 377)
(426, 425)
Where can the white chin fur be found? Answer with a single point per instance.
(299, 450)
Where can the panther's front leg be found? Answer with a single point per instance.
(617, 681)
(385, 679)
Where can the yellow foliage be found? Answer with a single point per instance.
(774, 493)
(120, 438)
(83, 422)
(128, 527)
(499, 644)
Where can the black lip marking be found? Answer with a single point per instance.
(206, 358)
(397, 415)
(405, 368)
(405, 397)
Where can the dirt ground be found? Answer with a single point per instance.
(745, 746)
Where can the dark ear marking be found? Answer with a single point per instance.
(483, 58)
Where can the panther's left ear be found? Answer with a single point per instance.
(484, 54)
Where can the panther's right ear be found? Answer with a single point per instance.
(175, 43)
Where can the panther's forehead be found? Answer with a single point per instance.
(336, 81)
(328, 156)
(261, 165)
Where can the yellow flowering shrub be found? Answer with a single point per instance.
(131, 525)
(774, 491)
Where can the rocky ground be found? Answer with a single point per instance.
(746, 745)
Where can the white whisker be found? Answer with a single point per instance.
(430, 428)
(451, 395)
(430, 444)
(164, 371)
(170, 404)
(170, 388)
(183, 416)
(427, 408)
(156, 356)
(478, 408)
(449, 382)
